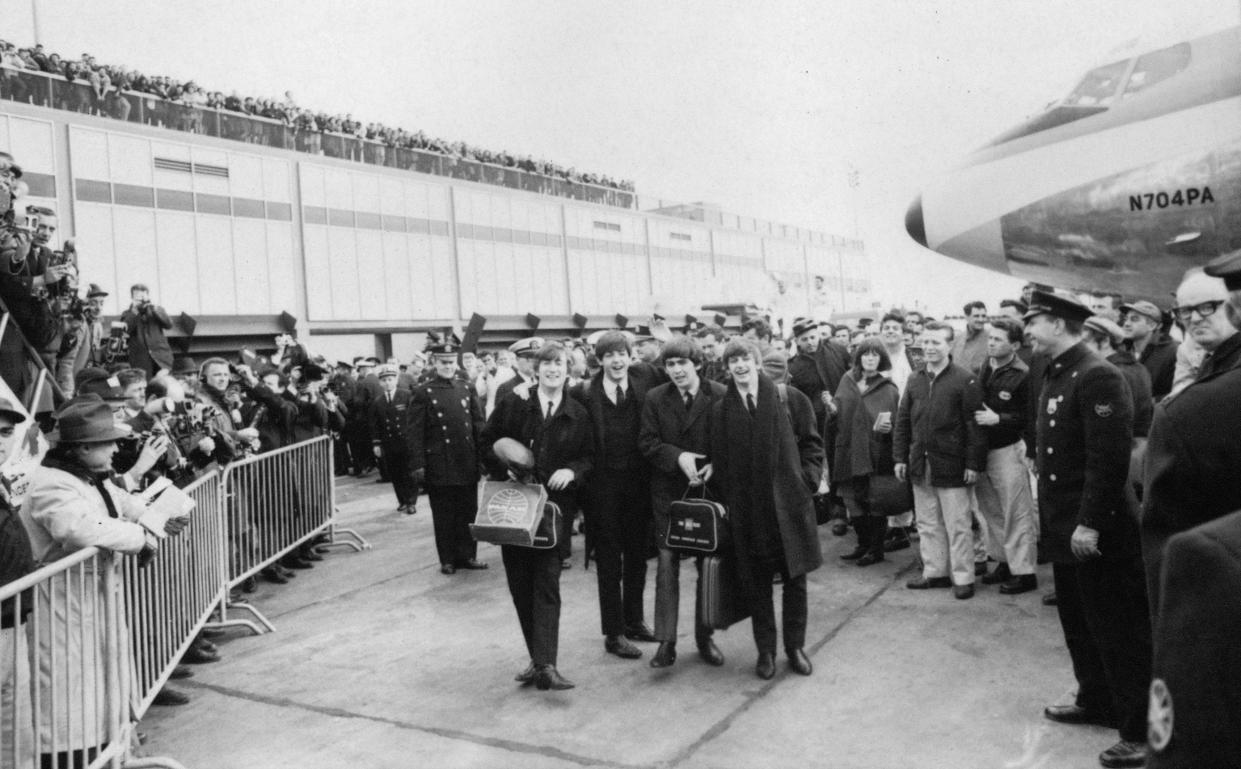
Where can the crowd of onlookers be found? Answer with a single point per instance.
(105, 86)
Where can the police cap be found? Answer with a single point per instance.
(1228, 267)
(1045, 303)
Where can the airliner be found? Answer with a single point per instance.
(1122, 185)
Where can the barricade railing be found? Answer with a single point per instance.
(65, 667)
(170, 599)
(274, 503)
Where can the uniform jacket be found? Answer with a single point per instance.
(935, 424)
(564, 441)
(1193, 465)
(787, 458)
(819, 372)
(667, 431)
(1139, 381)
(1006, 391)
(447, 429)
(392, 424)
(1159, 358)
(1197, 659)
(1084, 435)
(860, 451)
(1222, 358)
(148, 347)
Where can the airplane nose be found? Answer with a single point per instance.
(914, 224)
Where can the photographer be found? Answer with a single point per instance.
(145, 323)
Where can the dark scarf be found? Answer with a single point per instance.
(58, 460)
(755, 437)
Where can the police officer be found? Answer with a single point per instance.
(391, 431)
(1085, 416)
(447, 421)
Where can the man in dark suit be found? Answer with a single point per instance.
(391, 429)
(1085, 428)
(675, 438)
(358, 427)
(817, 367)
(146, 322)
(618, 497)
(343, 385)
(1195, 714)
(1191, 472)
(447, 422)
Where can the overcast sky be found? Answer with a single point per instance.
(761, 107)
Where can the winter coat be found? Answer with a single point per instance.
(860, 450)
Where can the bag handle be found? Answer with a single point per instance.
(689, 487)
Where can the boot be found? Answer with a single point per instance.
(863, 541)
(876, 531)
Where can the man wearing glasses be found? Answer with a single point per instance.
(1199, 301)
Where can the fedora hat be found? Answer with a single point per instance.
(87, 421)
(9, 410)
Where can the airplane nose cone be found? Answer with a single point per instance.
(914, 224)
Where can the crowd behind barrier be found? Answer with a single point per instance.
(30, 75)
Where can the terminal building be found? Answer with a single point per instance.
(244, 228)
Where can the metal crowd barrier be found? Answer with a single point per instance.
(274, 503)
(65, 674)
(170, 600)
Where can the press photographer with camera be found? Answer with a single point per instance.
(145, 324)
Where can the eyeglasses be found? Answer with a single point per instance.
(1204, 310)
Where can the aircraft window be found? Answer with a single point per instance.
(1098, 87)
(1156, 66)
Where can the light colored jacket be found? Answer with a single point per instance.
(63, 514)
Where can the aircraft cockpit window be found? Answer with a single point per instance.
(1156, 66)
(1098, 88)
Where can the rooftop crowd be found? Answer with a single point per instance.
(105, 86)
(1091, 433)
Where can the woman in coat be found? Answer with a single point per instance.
(556, 429)
(767, 458)
(71, 504)
(865, 404)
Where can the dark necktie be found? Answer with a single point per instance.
(749, 403)
(620, 397)
(389, 397)
(547, 413)
(689, 401)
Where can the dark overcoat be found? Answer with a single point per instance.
(1084, 435)
(564, 441)
(818, 373)
(787, 463)
(1193, 465)
(642, 378)
(860, 451)
(667, 431)
(447, 427)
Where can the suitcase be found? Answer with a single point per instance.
(721, 596)
(696, 527)
(509, 513)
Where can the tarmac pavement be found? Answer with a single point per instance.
(378, 660)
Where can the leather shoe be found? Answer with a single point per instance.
(1019, 583)
(447, 569)
(962, 592)
(248, 585)
(526, 677)
(205, 645)
(1050, 599)
(410, 509)
(309, 554)
(799, 662)
(1000, 575)
(1124, 753)
(640, 632)
(271, 575)
(547, 677)
(170, 697)
(709, 653)
(472, 564)
(924, 583)
(283, 571)
(665, 655)
(899, 542)
(869, 559)
(854, 554)
(618, 645)
(181, 671)
(197, 656)
(765, 668)
(980, 568)
(1077, 715)
(296, 562)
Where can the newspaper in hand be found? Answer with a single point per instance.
(164, 501)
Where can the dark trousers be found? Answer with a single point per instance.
(358, 436)
(618, 529)
(762, 606)
(1106, 623)
(534, 583)
(453, 509)
(668, 598)
(340, 455)
(871, 530)
(399, 473)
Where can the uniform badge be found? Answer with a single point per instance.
(1104, 410)
(1051, 407)
(1005, 395)
(1159, 715)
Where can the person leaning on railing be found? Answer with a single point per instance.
(73, 504)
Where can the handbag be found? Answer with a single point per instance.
(509, 513)
(696, 526)
(889, 495)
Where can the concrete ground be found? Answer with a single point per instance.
(378, 660)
